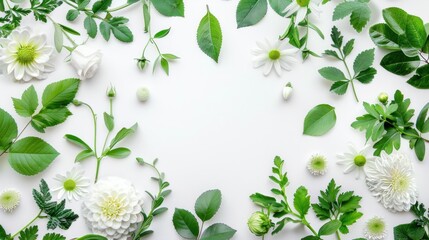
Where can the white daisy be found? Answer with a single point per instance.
(273, 55)
(73, 185)
(317, 165)
(9, 199)
(375, 229)
(25, 56)
(358, 160)
(391, 180)
(301, 7)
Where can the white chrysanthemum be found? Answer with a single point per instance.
(358, 160)
(113, 208)
(9, 199)
(391, 180)
(273, 55)
(301, 7)
(73, 185)
(25, 56)
(375, 229)
(317, 165)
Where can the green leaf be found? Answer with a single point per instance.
(364, 60)
(384, 37)
(208, 204)
(90, 26)
(92, 237)
(250, 12)
(262, 200)
(332, 73)
(101, 6)
(351, 204)
(108, 121)
(336, 37)
(27, 105)
(360, 17)
(72, 14)
(59, 216)
(410, 231)
(396, 18)
(87, 153)
(165, 66)
(344, 9)
(348, 48)
(279, 5)
(123, 133)
(170, 8)
(421, 78)
(69, 30)
(31, 155)
(60, 94)
(319, 120)
(218, 231)
(340, 87)
(185, 224)
(58, 37)
(399, 64)
(209, 36)
(329, 228)
(301, 201)
(119, 152)
(2, 6)
(391, 140)
(366, 76)
(105, 30)
(169, 56)
(8, 129)
(49, 118)
(117, 26)
(56, 236)
(415, 31)
(77, 141)
(350, 218)
(422, 123)
(420, 149)
(29, 233)
(162, 33)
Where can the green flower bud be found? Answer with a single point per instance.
(141, 63)
(383, 97)
(259, 223)
(77, 103)
(142, 94)
(111, 92)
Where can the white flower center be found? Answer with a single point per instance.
(111, 208)
(303, 3)
(399, 182)
(26, 54)
(274, 54)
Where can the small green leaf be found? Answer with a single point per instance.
(396, 18)
(170, 8)
(301, 201)
(332, 73)
(162, 33)
(344, 9)
(422, 123)
(399, 64)
(87, 153)
(208, 204)
(421, 78)
(360, 17)
(185, 224)
(90, 26)
(60, 94)
(123, 133)
(49, 118)
(319, 120)
(364, 60)
(330, 228)
(29, 233)
(420, 149)
(92, 237)
(58, 37)
(218, 231)
(279, 5)
(77, 141)
(27, 105)
(105, 30)
(366, 76)
(72, 14)
(109, 121)
(56, 236)
(250, 12)
(101, 6)
(31, 155)
(8, 129)
(348, 48)
(209, 36)
(165, 66)
(340, 87)
(119, 153)
(169, 56)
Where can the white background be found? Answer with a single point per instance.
(215, 125)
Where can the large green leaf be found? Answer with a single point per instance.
(170, 8)
(396, 18)
(330, 228)
(49, 118)
(415, 32)
(301, 201)
(421, 78)
(332, 73)
(250, 12)
(208, 204)
(60, 94)
(399, 64)
(364, 60)
(185, 224)
(27, 105)
(320, 120)
(209, 36)
(8, 129)
(31, 155)
(384, 37)
(218, 231)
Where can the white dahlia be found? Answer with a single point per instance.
(391, 180)
(113, 208)
(25, 55)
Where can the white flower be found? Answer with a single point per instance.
(317, 165)
(73, 185)
(287, 90)
(25, 55)
(273, 55)
(301, 7)
(358, 160)
(10, 199)
(143, 94)
(86, 61)
(375, 229)
(113, 208)
(391, 180)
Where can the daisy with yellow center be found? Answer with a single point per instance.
(73, 185)
(317, 165)
(356, 160)
(301, 8)
(9, 199)
(25, 55)
(273, 56)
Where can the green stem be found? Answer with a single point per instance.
(119, 7)
(201, 230)
(351, 78)
(16, 139)
(64, 33)
(307, 224)
(99, 158)
(338, 235)
(97, 170)
(26, 226)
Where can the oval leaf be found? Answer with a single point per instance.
(330, 228)
(170, 8)
(399, 64)
(218, 231)
(119, 153)
(384, 37)
(396, 18)
(60, 94)
(320, 120)
(209, 36)
(250, 12)
(8, 129)
(185, 224)
(208, 204)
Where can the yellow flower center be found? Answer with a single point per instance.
(303, 3)
(400, 183)
(69, 185)
(111, 208)
(26, 54)
(274, 54)
(360, 160)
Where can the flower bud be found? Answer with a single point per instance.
(383, 97)
(259, 223)
(111, 92)
(287, 90)
(143, 94)
(141, 63)
(77, 103)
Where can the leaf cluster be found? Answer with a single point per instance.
(386, 124)
(206, 206)
(416, 230)
(362, 65)
(408, 39)
(30, 233)
(31, 155)
(358, 10)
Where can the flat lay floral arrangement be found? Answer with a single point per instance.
(106, 185)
